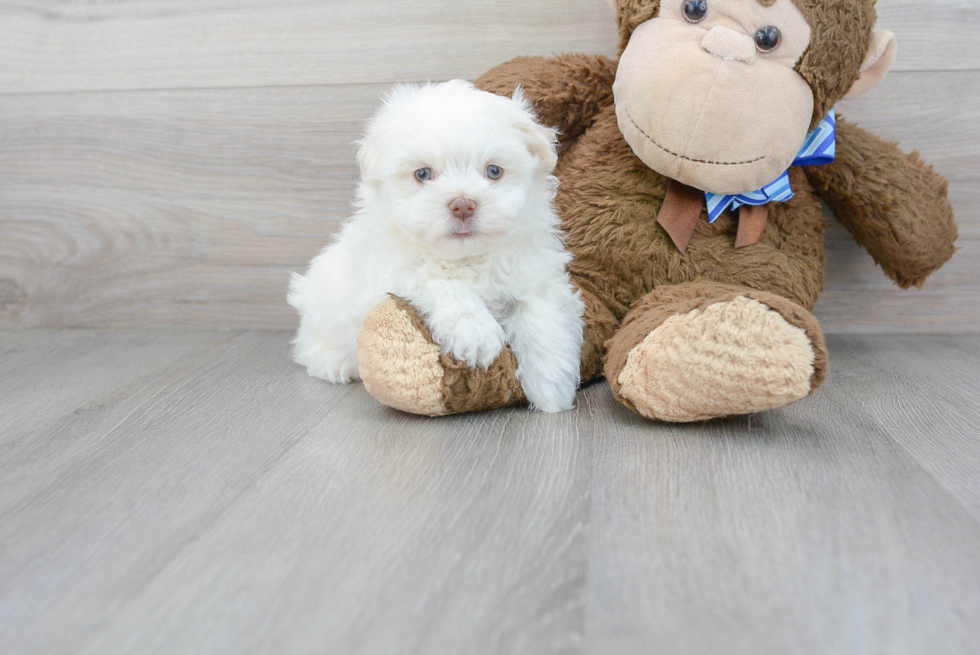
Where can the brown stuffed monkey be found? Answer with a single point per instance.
(690, 319)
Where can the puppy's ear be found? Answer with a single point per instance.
(372, 148)
(541, 141)
(369, 157)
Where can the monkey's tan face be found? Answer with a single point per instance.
(707, 94)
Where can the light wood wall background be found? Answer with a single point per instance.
(169, 162)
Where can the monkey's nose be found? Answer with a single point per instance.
(462, 208)
(729, 44)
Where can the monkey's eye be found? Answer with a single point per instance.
(695, 11)
(423, 174)
(494, 172)
(768, 38)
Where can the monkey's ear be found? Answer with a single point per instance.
(881, 56)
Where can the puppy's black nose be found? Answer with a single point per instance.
(462, 208)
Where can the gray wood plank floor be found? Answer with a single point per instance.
(195, 492)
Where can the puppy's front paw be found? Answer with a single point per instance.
(325, 363)
(475, 340)
(549, 396)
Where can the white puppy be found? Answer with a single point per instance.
(454, 214)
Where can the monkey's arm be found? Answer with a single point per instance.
(567, 91)
(893, 203)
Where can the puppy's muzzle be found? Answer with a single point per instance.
(462, 208)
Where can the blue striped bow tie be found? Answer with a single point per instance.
(820, 148)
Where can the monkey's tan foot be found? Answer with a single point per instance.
(402, 367)
(700, 351)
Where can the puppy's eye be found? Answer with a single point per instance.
(768, 38)
(494, 172)
(695, 11)
(423, 174)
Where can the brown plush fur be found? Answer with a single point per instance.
(842, 31)
(398, 361)
(893, 204)
(729, 358)
(465, 390)
(585, 88)
(469, 391)
(659, 305)
(631, 275)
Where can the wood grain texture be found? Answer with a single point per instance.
(885, 375)
(218, 421)
(226, 502)
(51, 374)
(151, 44)
(768, 534)
(169, 208)
(155, 44)
(359, 524)
(190, 208)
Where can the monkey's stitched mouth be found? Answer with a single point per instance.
(680, 156)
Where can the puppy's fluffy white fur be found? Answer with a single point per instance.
(498, 278)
